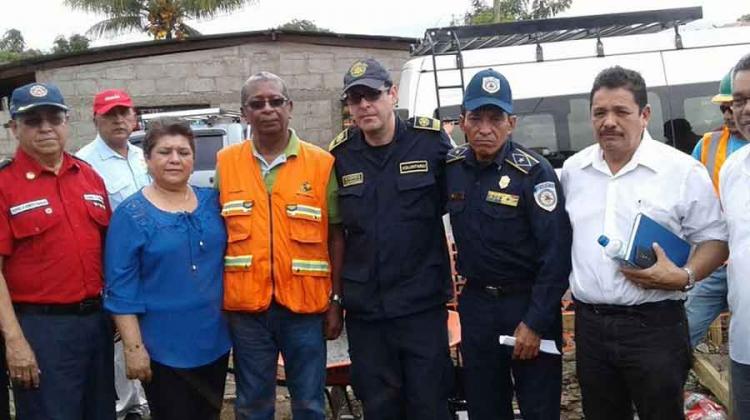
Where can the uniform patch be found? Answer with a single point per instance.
(504, 182)
(342, 137)
(95, 199)
(426, 123)
(358, 69)
(457, 196)
(545, 195)
(353, 179)
(456, 154)
(413, 166)
(522, 160)
(490, 84)
(31, 205)
(38, 91)
(306, 187)
(502, 198)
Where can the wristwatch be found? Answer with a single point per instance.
(691, 279)
(336, 298)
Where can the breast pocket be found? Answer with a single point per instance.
(350, 204)
(500, 223)
(30, 226)
(237, 217)
(305, 223)
(417, 196)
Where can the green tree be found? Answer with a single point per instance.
(75, 43)
(302, 25)
(512, 10)
(12, 41)
(161, 19)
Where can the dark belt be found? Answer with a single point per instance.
(605, 309)
(499, 290)
(84, 307)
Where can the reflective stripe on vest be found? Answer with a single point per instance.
(239, 261)
(714, 153)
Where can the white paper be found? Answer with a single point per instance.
(547, 346)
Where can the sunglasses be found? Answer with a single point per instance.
(369, 95)
(725, 108)
(36, 120)
(257, 104)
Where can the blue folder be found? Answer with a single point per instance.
(645, 232)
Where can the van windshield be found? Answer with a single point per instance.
(206, 148)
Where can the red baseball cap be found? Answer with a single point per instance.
(110, 98)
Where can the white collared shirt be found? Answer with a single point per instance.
(734, 187)
(122, 176)
(665, 184)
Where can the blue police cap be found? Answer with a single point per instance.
(33, 95)
(368, 73)
(488, 87)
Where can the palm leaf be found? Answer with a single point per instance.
(189, 30)
(200, 9)
(117, 26)
(108, 7)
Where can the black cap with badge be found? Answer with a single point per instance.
(368, 73)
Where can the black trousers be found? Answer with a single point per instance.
(629, 355)
(187, 394)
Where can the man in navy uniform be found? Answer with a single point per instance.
(396, 272)
(513, 237)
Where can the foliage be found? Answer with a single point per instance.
(75, 43)
(12, 41)
(511, 10)
(302, 25)
(161, 19)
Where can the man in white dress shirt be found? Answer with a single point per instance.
(734, 187)
(632, 344)
(123, 169)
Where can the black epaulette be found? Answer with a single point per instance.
(456, 154)
(5, 162)
(521, 159)
(341, 138)
(424, 123)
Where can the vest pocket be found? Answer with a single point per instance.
(305, 223)
(237, 218)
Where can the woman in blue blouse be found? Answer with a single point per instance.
(163, 271)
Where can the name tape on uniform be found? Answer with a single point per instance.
(95, 198)
(353, 179)
(502, 198)
(31, 205)
(413, 166)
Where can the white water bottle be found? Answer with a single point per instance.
(613, 248)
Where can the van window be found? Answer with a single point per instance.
(702, 114)
(536, 130)
(206, 148)
(579, 124)
(656, 122)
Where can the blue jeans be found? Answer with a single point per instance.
(705, 303)
(258, 338)
(740, 390)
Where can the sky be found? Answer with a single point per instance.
(40, 21)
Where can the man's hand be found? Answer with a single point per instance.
(333, 321)
(527, 343)
(22, 366)
(137, 363)
(662, 275)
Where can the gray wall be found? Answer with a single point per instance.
(314, 75)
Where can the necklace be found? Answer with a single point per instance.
(166, 194)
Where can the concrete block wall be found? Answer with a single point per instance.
(313, 73)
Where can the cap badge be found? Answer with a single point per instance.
(38, 91)
(491, 84)
(358, 69)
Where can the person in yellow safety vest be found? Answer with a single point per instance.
(284, 248)
(708, 299)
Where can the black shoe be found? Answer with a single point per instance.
(133, 416)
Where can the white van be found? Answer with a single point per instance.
(551, 81)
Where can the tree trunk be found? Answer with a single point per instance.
(496, 11)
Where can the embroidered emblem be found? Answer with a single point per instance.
(456, 154)
(426, 123)
(413, 166)
(545, 195)
(504, 182)
(491, 84)
(38, 91)
(502, 198)
(95, 199)
(353, 179)
(358, 69)
(306, 187)
(31, 205)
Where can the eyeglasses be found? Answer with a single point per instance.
(738, 103)
(36, 120)
(257, 104)
(369, 95)
(725, 108)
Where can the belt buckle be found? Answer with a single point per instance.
(86, 306)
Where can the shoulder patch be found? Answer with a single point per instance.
(342, 137)
(456, 154)
(521, 160)
(5, 162)
(426, 123)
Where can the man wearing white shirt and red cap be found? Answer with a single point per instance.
(632, 344)
(735, 198)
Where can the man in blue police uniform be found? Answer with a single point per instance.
(396, 272)
(513, 237)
